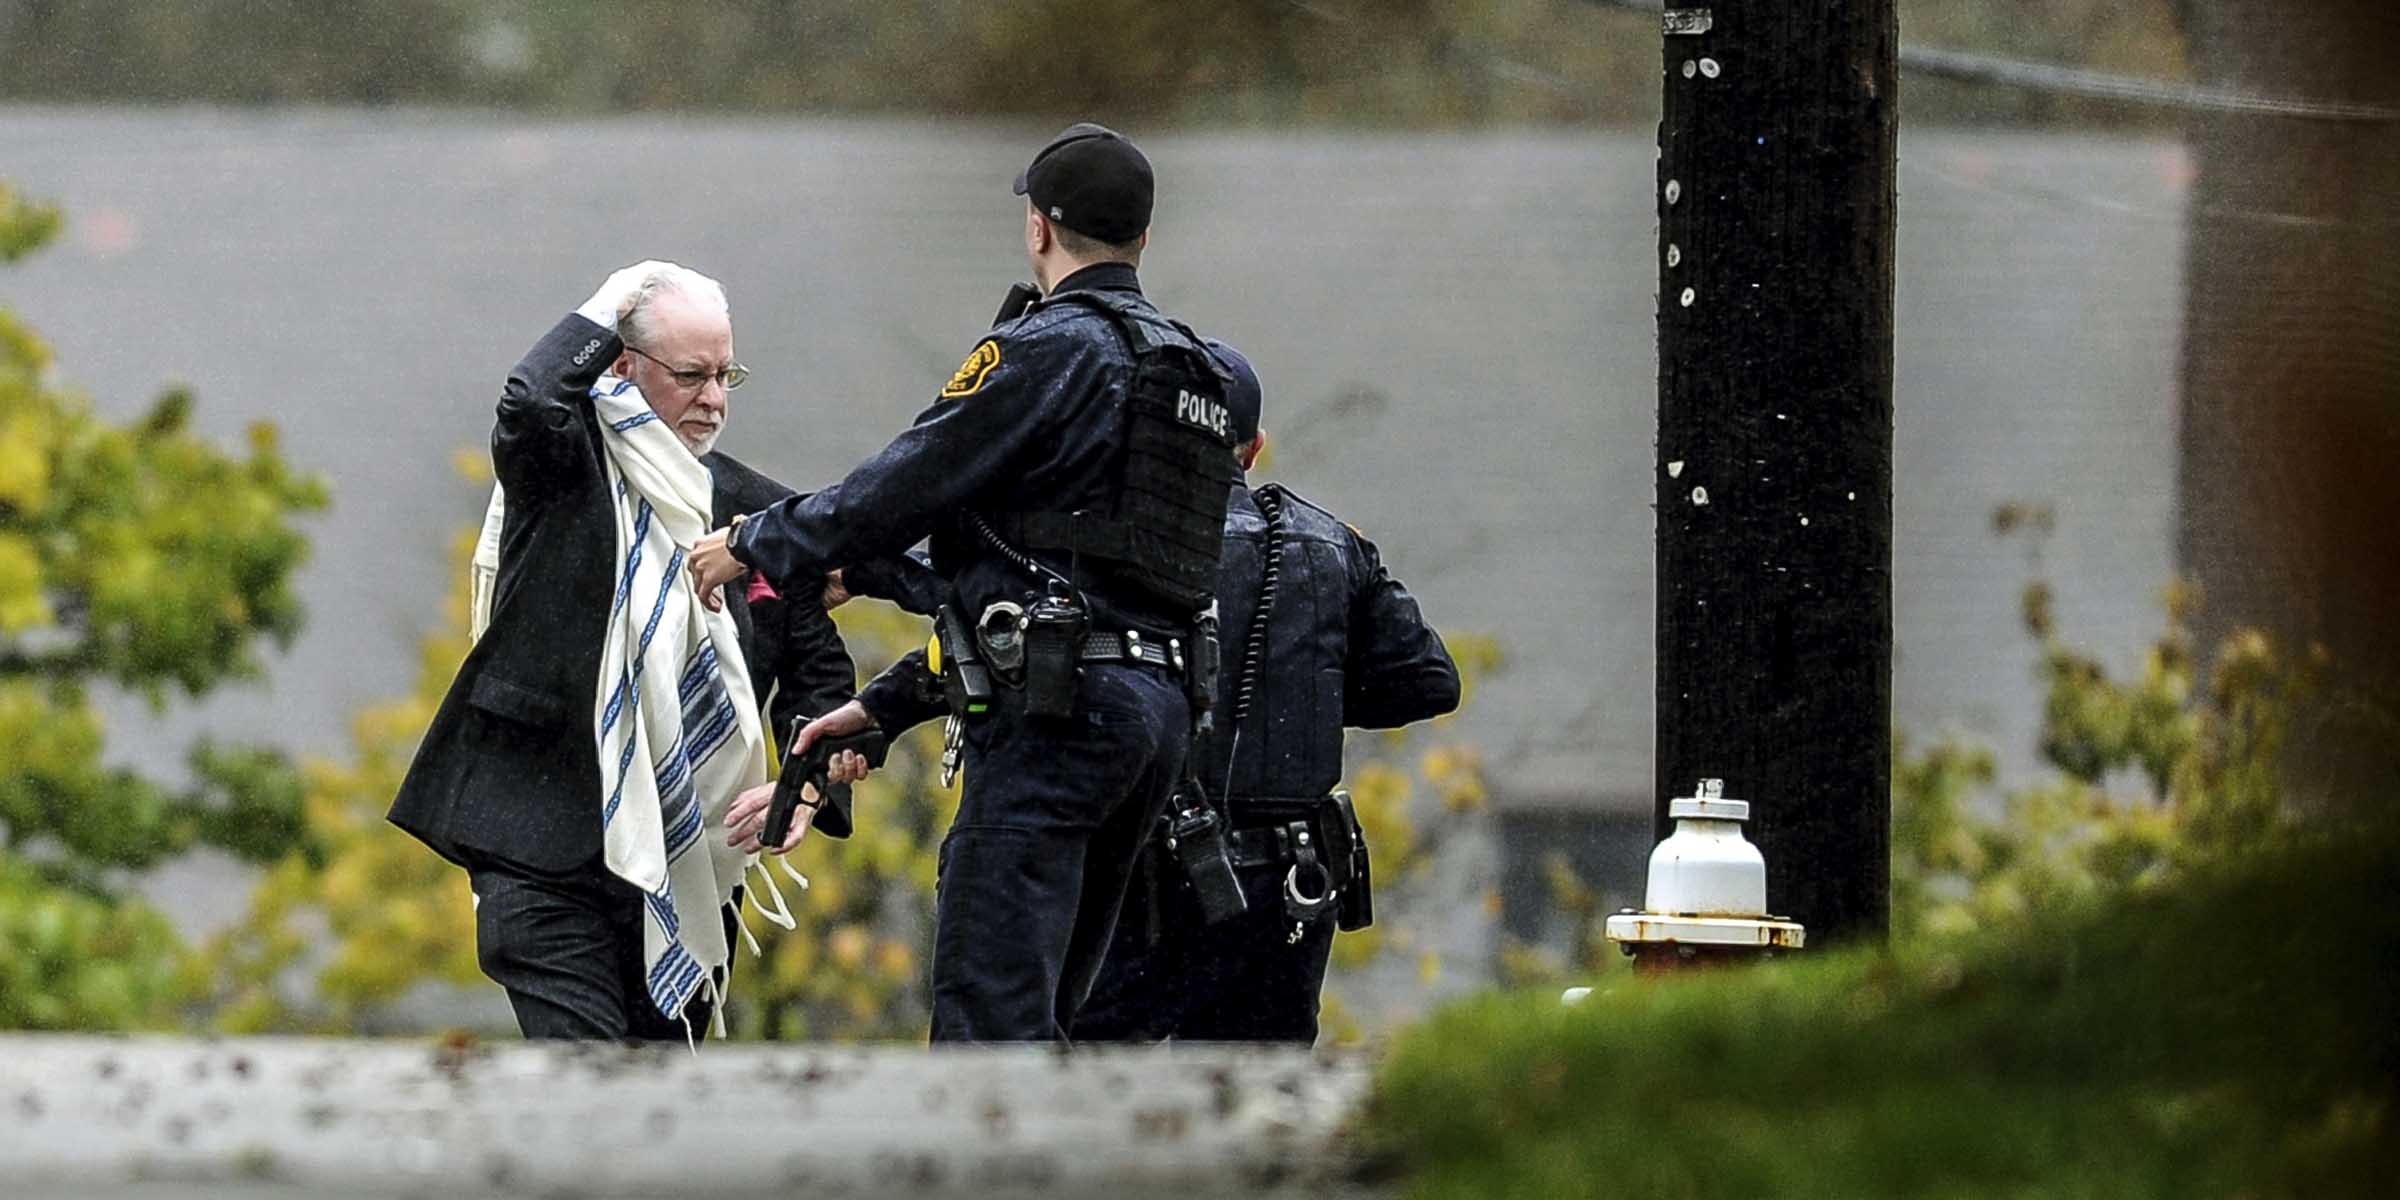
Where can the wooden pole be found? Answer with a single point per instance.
(1776, 207)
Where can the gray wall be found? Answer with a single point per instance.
(1455, 332)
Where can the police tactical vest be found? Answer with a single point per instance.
(1164, 522)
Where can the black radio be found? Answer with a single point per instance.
(1196, 837)
(1055, 626)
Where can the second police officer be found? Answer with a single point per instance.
(1318, 636)
(1072, 476)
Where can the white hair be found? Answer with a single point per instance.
(668, 277)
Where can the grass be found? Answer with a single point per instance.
(2235, 1036)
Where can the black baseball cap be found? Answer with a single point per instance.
(1091, 180)
(1244, 396)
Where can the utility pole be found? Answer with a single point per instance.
(1775, 213)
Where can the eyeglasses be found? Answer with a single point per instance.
(731, 374)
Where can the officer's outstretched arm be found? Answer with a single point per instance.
(905, 580)
(962, 453)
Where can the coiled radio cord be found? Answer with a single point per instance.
(1254, 643)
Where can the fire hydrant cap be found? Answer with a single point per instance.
(1708, 808)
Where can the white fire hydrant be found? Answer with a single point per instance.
(1707, 894)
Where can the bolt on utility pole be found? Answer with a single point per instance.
(1776, 206)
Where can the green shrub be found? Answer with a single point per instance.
(2228, 1035)
(144, 558)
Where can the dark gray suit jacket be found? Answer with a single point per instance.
(508, 768)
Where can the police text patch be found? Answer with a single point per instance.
(1194, 409)
(979, 366)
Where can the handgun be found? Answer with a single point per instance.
(813, 767)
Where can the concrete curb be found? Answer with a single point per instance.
(173, 1117)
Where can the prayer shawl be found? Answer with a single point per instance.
(674, 722)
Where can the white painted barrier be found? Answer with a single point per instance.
(172, 1118)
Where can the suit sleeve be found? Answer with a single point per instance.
(814, 674)
(541, 445)
(1398, 670)
(967, 447)
(796, 654)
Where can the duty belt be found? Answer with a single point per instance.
(1264, 838)
(1269, 847)
(1131, 646)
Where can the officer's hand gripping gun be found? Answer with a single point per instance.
(813, 767)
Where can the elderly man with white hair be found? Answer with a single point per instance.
(606, 719)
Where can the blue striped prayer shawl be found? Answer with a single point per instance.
(671, 761)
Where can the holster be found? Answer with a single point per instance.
(1204, 660)
(1271, 835)
(1345, 843)
(966, 681)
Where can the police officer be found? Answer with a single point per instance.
(1072, 476)
(1319, 636)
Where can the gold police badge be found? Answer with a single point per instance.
(981, 361)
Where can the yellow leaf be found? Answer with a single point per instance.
(24, 463)
(23, 605)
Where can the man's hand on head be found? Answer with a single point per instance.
(616, 295)
(713, 566)
(835, 594)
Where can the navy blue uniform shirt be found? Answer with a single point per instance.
(1346, 645)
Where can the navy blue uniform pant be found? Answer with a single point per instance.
(1170, 974)
(1052, 819)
